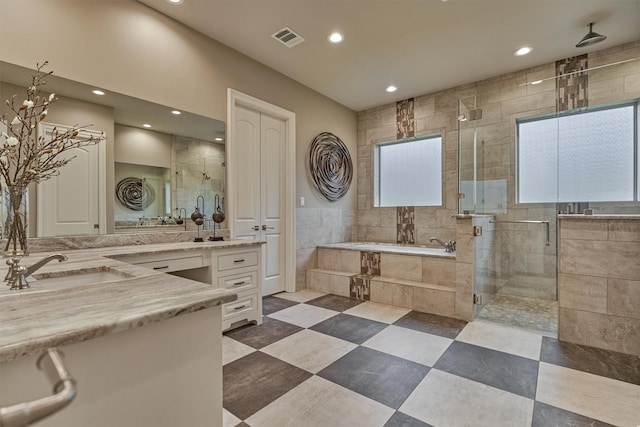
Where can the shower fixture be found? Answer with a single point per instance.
(591, 37)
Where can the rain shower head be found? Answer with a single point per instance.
(591, 37)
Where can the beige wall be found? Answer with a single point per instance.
(126, 47)
(142, 147)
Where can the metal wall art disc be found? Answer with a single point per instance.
(330, 166)
(135, 193)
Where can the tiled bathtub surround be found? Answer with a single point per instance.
(599, 281)
(422, 282)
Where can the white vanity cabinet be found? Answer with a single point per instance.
(239, 270)
(233, 268)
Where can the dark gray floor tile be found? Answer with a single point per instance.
(349, 328)
(403, 420)
(334, 302)
(431, 323)
(511, 373)
(550, 416)
(243, 424)
(258, 336)
(272, 304)
(252, 382)
(619, 366)
(379, 376)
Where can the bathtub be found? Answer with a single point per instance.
(391, 248)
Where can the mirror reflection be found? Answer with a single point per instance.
(156, 163)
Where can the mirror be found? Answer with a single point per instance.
(158, 160)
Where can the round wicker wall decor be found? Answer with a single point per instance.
(330, 166)
(135, 193)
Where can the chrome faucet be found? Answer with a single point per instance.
(16, 277)
(450, 246)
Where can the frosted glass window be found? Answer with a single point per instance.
(409, 173)
(585, 157)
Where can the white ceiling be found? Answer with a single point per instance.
(420, 46)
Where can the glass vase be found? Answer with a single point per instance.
(15, 204)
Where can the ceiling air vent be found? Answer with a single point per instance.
(288, 37)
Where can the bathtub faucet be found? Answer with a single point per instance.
(450, 246)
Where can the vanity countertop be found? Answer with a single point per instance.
(33, 319)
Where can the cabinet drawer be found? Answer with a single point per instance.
(241, 306)
(237, 260)
(173, 264)
(239, 282)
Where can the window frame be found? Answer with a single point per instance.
(634, 103)
(375, 170)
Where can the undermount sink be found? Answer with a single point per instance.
(71, 278)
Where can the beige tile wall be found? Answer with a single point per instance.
(599, 283)
(319, 226)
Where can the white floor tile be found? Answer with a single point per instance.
(378, 312)
(502, 338)
(612, 401)
(233, 350)
(320, 403)
(303, 315)
(229, 420)
(309, 350)
(444, 399)
(300, 296)
(412, 345)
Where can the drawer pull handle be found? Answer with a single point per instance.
(239, 260)
(240, 307)
(161, 268)
(239, 283)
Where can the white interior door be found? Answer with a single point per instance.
(259, 198)
(70, 203)
(272, 149)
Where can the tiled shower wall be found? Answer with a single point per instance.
(520, 249)
(319, 226)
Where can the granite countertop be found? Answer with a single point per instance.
(600, 216)
(34, 319)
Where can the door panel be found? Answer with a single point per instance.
(247, 174)
(273, 202)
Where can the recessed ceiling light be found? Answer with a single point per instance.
(391, 89)
(97, 92)
(146, 125)
(336, 38)
(219, 139)
(176, 112)
(175, 1)
(536, 82)
(522, 51)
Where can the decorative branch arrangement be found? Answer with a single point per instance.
(27, 157)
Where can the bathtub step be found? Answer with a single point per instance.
(419, 296)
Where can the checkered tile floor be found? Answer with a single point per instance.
(325, 360)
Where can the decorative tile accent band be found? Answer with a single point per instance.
(405, 216)
(405, 122)
(370, 263)
(572, 90)
(360, 287)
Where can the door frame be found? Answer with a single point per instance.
(236, 98)
(43, 127)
